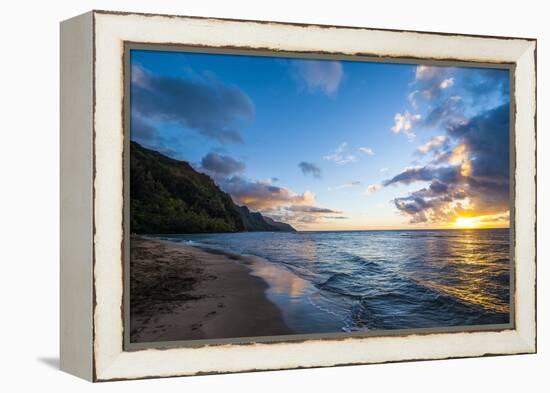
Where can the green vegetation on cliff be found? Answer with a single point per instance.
(169, 196)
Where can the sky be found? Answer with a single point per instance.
(333, 145)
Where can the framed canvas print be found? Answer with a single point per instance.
(245, 195)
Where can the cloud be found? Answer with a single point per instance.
(424, 173)
(467, 170)
(487, 139)
(140, 76)
(446, 83)
(308, 168)
(303, 214)
(200, 103)
(341, 160)
(432, 144)
(428, 73)
(486, 85)
(221, 164)
(278, 203)
(259, 195)
(430, 82)
(343, 146)
(366, 150)
(347, 185)
(438, 203)
(412, 98)
(403, 123)
(450, 93)
(446, 111)
(339, 156)
(318, 75)
(311, 209)
(437, 187)
(473, 179)
(383, 170)
(372, 188)
(145, 133)
(142, 131)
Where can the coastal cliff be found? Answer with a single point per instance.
(169, 196)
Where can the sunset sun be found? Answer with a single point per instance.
(465, 222)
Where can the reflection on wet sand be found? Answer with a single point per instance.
(295, 297)
(280, 280)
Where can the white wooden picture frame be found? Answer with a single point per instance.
(92, 194)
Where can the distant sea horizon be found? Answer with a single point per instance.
(332, 230)
(400, 229)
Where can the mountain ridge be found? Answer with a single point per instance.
(169, 196)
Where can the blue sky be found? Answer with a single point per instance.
(332, 144)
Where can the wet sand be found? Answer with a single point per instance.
(179, 292)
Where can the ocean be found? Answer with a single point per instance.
(350, 281)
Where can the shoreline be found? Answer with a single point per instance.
(181, 292)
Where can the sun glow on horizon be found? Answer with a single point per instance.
(466, 222)
(484, 221)
(490, 221)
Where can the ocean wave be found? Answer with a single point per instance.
(389, 279)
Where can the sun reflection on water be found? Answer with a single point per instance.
(467, 272)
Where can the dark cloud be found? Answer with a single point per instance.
(203, 104)
(487, 82)
(489, 196)
(438, 188)
(467, 163)
(146, 134)
(278, 203)
(469, 175)
(303, 214)
(449, 110)
(311, 209)
(142, 131)
(431, 203)
(310, 169)
(487, 138)
(448, 106)
(426, 173)
(221, 164)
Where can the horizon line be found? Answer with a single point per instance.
(400, 229)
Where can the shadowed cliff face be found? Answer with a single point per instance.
(169, 196)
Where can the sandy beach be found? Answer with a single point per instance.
(179, 292)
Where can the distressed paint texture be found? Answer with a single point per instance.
(112, 30)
